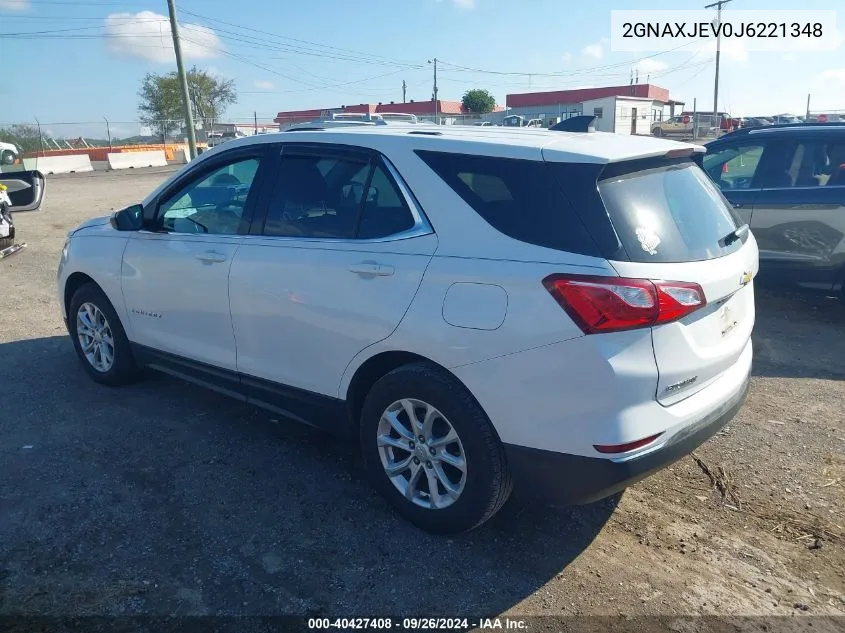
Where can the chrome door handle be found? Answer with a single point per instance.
(211, 257)
(737, 205)
(371, 269)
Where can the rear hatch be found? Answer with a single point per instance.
(663, 219)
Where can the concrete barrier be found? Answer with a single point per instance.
(59, 164)
(180, 156)
(128, 160)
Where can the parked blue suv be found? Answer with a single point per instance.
(787, 182)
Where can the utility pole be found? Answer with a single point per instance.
(404, 91)
(718, 6)
(435, 88)
(255, 120)
(183, 81)
(108, 131)
(807, 118)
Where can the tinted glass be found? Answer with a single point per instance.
(804, 163)
(669, 214)
(385, 211)
(317, 197)
(214, 203)
(733, 167)
(520, 198)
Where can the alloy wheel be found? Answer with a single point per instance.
(95, 337)
(421, 454)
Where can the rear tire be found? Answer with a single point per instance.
(92, 321)
(658, 132)
(7, 157)
(463, 498)
(6, 242)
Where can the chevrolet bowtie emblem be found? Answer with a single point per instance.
(746, 277)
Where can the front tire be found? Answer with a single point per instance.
(431, 451)
(99, 338)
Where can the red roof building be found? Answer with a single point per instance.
(449, 109)
(556, 97)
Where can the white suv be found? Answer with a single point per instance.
(564, 312)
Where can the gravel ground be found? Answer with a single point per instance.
(163, 498)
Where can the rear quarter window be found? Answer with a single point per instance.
(519, 198)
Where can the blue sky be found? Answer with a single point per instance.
(83, 60)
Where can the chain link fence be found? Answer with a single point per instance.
(96, 138)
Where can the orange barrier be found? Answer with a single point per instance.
(100, 153)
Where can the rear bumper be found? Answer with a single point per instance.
(564, 479)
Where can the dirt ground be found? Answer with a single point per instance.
(166, 499)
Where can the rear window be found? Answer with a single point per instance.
(669, 213)
(520, 198)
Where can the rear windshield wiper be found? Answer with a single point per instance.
(733, 236)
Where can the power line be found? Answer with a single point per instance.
(580, 71)
(349, 52)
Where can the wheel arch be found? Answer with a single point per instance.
(374, 368)
(74, 282)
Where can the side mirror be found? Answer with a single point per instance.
(128, 219)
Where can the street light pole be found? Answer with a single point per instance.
(718, 6)
(183, 81)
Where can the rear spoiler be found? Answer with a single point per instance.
(584, 123)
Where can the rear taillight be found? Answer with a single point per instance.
(611, 304)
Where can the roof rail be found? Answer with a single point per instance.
(330, 123)
(402, 116)
(783, 126)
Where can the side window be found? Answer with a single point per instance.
(385, 210)
(808, 163)
(733, 167)
(317, 196)
(336, 197)
(519, 198)
(783, 164)
(213, 204)
(830, 164)
(597, 112)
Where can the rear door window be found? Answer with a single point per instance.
(520, 198)
(669, 213)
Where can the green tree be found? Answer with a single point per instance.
(160, 99)
(160, 105)
(23, 135)
(478, 101)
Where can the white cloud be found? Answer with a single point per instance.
(650, 66)
(264, 85)
(566, 57)
(146, 35)
(595, 50)
(14, 5)
(464, 4)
